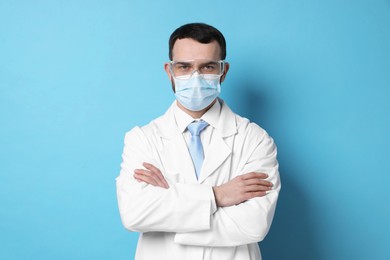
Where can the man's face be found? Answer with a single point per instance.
(189, 49)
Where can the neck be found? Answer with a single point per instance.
(195, 114)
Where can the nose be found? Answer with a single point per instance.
(195, 72)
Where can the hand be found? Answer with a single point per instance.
(242, 188)
(152, 175)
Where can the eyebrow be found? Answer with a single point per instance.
(183, 62)
(209, 62)
(200, 64)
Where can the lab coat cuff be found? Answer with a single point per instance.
(213, 202)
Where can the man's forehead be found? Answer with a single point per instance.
(190, 49)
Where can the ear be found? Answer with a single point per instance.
(227, 66)
(167, 70)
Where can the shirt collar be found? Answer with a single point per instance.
(211, 116)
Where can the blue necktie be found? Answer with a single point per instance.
(195, 146)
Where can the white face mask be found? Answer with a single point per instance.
(198, 91)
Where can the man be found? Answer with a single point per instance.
(199, 182)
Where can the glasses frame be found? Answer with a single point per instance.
(171, 63)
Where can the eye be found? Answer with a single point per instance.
(209, 68)
(182, 67)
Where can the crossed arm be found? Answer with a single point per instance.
(233, 192)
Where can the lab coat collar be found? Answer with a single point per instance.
(176, 148)
(227, 124)
(211, 116)
(224, 122)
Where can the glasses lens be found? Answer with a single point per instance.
(185, 68)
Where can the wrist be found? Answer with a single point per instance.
(217, 195)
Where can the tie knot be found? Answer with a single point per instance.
(196, 127)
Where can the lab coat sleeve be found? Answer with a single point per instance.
(249, 221)
(145, 208)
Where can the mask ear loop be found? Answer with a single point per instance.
(222, 71)
(170, 70)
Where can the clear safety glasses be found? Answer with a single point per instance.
(185, 69)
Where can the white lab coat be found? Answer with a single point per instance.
(182, 222)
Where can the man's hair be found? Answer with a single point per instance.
(199, 32)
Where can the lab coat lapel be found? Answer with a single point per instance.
(174, 154)
(220, 147)
(218, 152)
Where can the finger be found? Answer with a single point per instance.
(256, 185)
(254, 175)
(256, 188)
(156, 171)
(146, 179)
(137, 178)
(153, 177)
(150, 167)
(149, 176)
(258, 182)
(251, 195)
(143, 172)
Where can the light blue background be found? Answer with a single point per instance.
(76, 75)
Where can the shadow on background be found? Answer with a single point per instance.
(292, 235)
